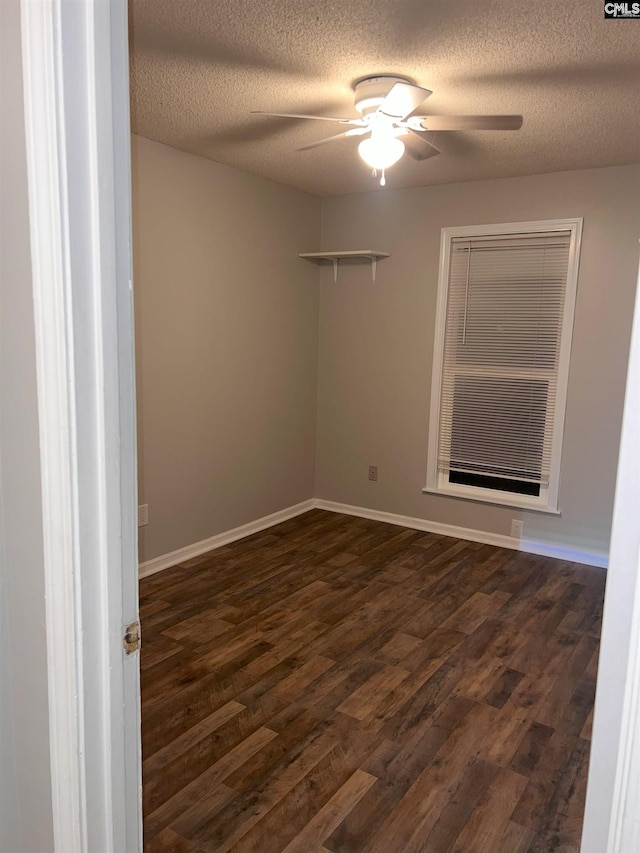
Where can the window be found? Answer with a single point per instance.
(506, 296)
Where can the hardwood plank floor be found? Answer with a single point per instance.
(342, 685)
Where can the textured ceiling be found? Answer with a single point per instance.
(198, 68)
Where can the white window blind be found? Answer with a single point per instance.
(501, 353)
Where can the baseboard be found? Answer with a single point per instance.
(421, 524)
(528, 546)
(166, 561)
(562, 552)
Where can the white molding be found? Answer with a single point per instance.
(564, 355)
(48, 216)
(470, 534)
(111, 170)
(435, 481)
(485, 496)
(612, 808)
(77, 138)
(433, 426)
(497, 228)
(529, 546)
(564, 552)
(625, 825)
(421, 524)
(173, 558)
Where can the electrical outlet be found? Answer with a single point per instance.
(516, 528)
(143, 515)
(373, 472)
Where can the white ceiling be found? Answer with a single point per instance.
(198, 68)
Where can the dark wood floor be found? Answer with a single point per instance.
(337, 684)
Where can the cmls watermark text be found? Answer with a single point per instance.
(622, 10)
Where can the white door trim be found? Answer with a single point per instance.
(612, 813)
(55, 410)
(77, 133)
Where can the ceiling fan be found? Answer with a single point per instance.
(386, 104)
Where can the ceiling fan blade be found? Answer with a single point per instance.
(403, 99)
(355, 121)
(472, 122)
(417, 146)
(356, 131)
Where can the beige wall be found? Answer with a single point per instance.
(229, 340)
(26, 822)
(375, 349)
(227, 326)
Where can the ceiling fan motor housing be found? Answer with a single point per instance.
(372, 91)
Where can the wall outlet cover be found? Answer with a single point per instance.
(373, 472)
(516, 528)
(143, 515)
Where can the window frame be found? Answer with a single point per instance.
(436, 483)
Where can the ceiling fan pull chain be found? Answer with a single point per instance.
(383, 180)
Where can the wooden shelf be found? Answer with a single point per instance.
(368, 254)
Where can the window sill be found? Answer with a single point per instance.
(500, 500)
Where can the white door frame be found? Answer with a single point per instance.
(77, 126)
(612, 814)
(75, 65)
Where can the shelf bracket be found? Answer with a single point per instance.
(336, 265)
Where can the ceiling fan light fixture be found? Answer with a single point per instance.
(388, 105)
(380, 151)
